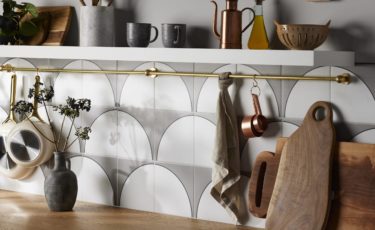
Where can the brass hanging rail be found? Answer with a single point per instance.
(153, 72)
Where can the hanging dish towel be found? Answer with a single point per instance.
(226, 187)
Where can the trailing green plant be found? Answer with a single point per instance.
(14, 27)
(71, 110)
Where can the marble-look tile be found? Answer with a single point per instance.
(353, 103)
(139, 189)
(210, 209)
(204, 141)
(93, 183)
(243, 100)
(209, 93)
(139, 90)
(305, 93)
(33, 184)
(177, 143)
(170, 194)
(267, 142)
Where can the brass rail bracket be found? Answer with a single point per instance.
(152, 73)
(344, 79)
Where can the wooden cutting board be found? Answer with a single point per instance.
(353, 183)
(262, 180)
(59, 24)
(301, 195)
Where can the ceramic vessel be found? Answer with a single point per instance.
(60, 186)
(97, 26)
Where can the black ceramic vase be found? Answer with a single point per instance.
(60, 186)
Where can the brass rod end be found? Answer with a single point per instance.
(344, 79)
(7, 67)
(151, 72)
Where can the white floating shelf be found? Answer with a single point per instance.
(219, 56)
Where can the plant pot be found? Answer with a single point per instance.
(97, 26)
(60, 186)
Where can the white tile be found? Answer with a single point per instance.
(267, 142)
(93, 183)
(171, 92)
(139, 90)
(104, 136)
(57, 121)
(367, 136)
(138, 190)
(305, 93)
(354, 103)
(34, 184)
(210, 209)
(208, 96)
(244, 102)
(177, 143)
(3, 115)
(92, 86)
(204, 142)
(132, 140)
(170, 194)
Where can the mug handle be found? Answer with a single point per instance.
(248, 25)
(156, 34)
(178, 28)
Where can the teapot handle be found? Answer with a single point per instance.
(251, 21)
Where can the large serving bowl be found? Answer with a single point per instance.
(302, 37)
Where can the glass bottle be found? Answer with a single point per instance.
(258, 37)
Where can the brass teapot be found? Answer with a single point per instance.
(231, 25)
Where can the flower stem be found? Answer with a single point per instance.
(61, 129)
(67, 138)
(70, 145)
(41, 133)
(51, 126)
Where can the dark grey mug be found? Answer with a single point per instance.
(139, 34)
(173, 35)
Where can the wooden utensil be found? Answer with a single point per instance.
(300, 199)
(262, 180)
(353, 183)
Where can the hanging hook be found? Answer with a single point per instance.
(37, 71)
(255, 87)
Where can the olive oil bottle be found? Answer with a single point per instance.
(258, 37)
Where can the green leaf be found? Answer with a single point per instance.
(30, 8)
(28, 29)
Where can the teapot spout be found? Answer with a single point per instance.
(215, 21)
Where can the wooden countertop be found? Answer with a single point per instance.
(30, 212)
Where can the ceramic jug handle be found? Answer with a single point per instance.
(178, 28)
(156, 34)
(251, 21)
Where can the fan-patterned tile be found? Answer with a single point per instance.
(210, 209)
(305, 93)
(139, 90)
(177, 143)
(354, 103)
(367, 136)
(104, 136)
(92, 86)
(170, 194)
(139, 189)
(243, 100)
(267, 142)
(93, 183)
(204, 141)
(33, 184)
(171, 92)
(209, 93)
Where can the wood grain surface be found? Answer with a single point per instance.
(59, 24)
(30, 212)
(262, 180)
(353, 183)
(300, 199)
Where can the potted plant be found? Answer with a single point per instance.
(18, 22)
(60, 185)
